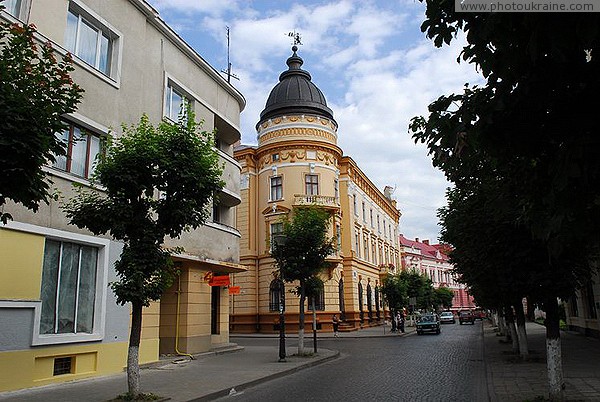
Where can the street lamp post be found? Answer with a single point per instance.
(281, 323)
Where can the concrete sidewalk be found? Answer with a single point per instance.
(510, 379)
(209, 376)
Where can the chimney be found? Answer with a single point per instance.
(417, 239)
(426, 241)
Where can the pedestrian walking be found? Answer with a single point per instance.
(400, 320)
(336, 325)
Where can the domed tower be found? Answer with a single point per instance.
(296, 163)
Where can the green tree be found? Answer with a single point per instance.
(158, 182)
(395, 291)
(35, 91)
(443, 297)
(420, 287)
(300, 254)
(533, 124)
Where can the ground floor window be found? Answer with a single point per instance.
(68, 288)
(319, 300)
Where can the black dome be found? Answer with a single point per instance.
(295, 93)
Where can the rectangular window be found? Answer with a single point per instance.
(13, 7)
(311, 182)
(364, 212)
(176, 102)
(68, 288)
(372, 219)
(82, 148)
(276, 188)
(354, 205)
(336, 187)
(378, 225)
(275, 157)
(89, 40)
(318, 299)
(366, 247)
(216, 212)
(276, 233)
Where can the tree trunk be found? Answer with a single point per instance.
(553, 351)
(133, 362)
(301, 321)
(501, 322)
(530, 310)
(521, 331)
(512, 329)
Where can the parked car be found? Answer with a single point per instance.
(479, 314)
(466, 316)
(447, 317)
(429, 323)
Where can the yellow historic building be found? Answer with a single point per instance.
(298, 162)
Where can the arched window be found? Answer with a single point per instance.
(276, 294)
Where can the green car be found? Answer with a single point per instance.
(428, 323)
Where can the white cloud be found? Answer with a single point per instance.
(374, 66)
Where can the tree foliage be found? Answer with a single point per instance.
(395, 291)
(443, 297)
(35, 91)
(300, 253)
(518, 149)
(157, 182)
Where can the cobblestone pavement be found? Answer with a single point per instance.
(445, 367)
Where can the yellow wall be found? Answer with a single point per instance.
(21, 258)
(34, 367)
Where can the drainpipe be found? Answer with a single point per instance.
(177, 321)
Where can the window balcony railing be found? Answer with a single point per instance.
(321, 200)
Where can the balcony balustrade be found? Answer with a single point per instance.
(321, 200)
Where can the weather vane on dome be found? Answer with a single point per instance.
(297, 38)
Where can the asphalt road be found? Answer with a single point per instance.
(445, 367)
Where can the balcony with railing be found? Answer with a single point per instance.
(325, 201)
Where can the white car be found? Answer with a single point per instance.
(447, 317)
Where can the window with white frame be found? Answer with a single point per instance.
(357, 243)
(90, 40)
(13, 7)
(311, 184)
(82, 149)
(276, 188)
(364, 212)
(68, 288)
(354, 205)
(176, 101)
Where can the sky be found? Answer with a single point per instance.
(375, 67)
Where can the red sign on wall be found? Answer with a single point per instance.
(221, 280)
(234, 290)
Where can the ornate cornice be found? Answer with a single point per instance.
(357, 176)
(297, 132)
(296, 119)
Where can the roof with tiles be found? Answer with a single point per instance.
(427, 250)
